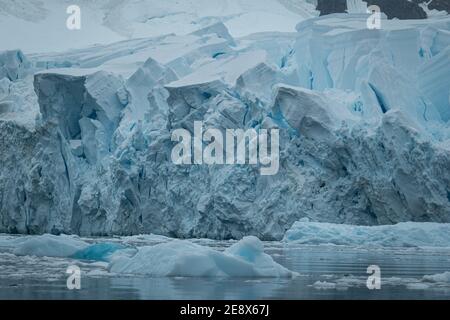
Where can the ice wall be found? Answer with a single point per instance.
(362, 116)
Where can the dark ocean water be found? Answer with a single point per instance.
(342, 270)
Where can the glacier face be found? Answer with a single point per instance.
(363, 116)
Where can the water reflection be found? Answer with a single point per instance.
(313, 263)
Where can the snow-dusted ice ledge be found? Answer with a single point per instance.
(407, 234)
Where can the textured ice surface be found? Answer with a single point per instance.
(40, 26)
(363, 118)
(185, 259)
(407, 234)
(99, 251)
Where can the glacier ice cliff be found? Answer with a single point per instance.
(363, 117)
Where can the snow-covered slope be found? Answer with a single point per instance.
(363, 118)
(406, 234)
(40, 26)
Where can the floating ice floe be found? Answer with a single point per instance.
(245, 259)
(64, 246)
(47, 245)
(408, 234)
(435, 281)
(438, 278)
(324, 285)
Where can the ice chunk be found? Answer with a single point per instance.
(183, 258)
(295, 103)
(227, 112)
(306, 111)
(408, 234)
(48, 245)
(324, 285)
(13, 65)
(143, 89)
(188, 103)
(440, 277)
(258, 82)
(101, 98)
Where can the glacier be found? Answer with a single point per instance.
(363, 118)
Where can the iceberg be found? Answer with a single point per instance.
(438, 278)
(65, 246)
(177, 258)
(47, 245)
(407, 234)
